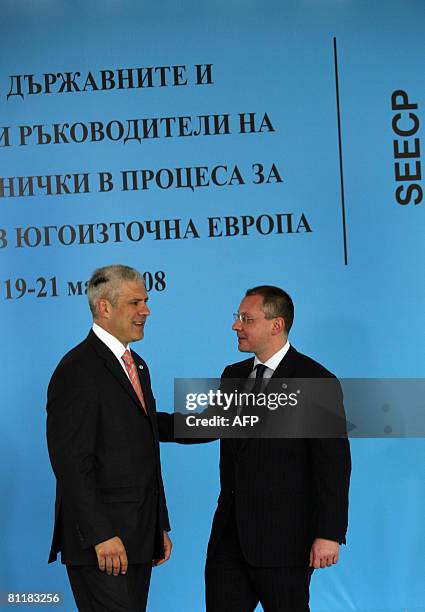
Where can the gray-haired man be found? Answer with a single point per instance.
(111, 517)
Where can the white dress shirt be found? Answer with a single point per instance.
(271, 363)
(112, 343)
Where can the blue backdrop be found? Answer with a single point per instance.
(359, 293)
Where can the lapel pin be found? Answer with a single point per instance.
(140, 367)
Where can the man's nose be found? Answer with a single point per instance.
(237, 325)
(144, 310)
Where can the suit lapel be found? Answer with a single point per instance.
(144, 383)
(111, 363)
(243, 369)
(285, 369)
(241, 372)
(288, 364)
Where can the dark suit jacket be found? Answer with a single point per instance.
(105, 455)
(284, 492)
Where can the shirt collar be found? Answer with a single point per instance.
(111, 342)
(275, 359)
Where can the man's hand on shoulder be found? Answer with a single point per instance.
(111, 556)
(167, 551)
(323, 553)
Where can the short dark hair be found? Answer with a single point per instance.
(276, 303)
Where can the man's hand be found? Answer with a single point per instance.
(167, 551)
(111, 556)
(323, 553)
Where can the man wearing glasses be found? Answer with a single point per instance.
(283, 504)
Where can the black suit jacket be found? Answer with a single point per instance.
(105, 455)
(285, 492)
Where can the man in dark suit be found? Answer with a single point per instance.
(111, 518)
(283, 504)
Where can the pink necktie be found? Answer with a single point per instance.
(130, 366)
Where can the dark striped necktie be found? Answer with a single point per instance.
(260, 368)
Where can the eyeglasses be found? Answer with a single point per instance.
(244, 318)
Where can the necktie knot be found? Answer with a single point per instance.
(127, 358)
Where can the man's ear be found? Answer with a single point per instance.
(278, 326)
(103, 308)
